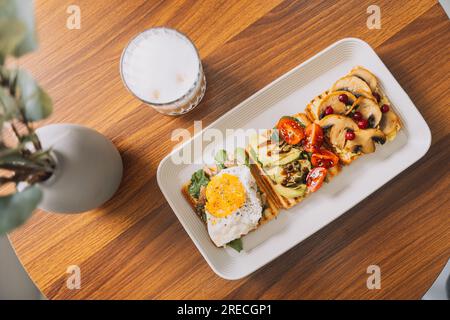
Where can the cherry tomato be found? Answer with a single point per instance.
(315, 178)
(291, 130)
(314, 138)
(324, 158)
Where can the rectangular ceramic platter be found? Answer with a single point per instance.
(288, 95)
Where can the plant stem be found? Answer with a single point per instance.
(16, 132)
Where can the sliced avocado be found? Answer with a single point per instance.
(278, 173)
(291, 192)
(278, 159)
(268, 154)
(275, 173)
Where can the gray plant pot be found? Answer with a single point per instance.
(89, 168)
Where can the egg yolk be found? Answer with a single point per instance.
(224, 195)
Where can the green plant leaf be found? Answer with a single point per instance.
(16, 208)
(11, 34)
(37, 104)
(17, 28)
(17, 159)
(236, 244)
(198, 180)
(6, 151)
(8, 106)
(220, 158)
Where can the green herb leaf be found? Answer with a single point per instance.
(305, 155)
(198, 180)
(275, 137)
(220, 158)
(295, 119)
(17, 207)
(255, 156)
(236, 244)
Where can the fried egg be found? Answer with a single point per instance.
(233, 207)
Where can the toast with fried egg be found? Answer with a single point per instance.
(227, 198)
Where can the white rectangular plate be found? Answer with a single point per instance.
(288, 95)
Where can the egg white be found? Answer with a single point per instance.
(244, 219)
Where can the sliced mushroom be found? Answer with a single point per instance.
(350, 83)
(390, 124)
(367, 76)
(338, 126)
(365, 141)
(369, 109)
(332, 100)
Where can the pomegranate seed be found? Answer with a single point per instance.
(377, 96)
(363, 123)
(384, 108)
(349, 135)
(357, 116)
(343, 98)
(329, 110)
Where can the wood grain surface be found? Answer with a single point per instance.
(134, 247)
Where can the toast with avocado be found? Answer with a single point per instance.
(355, 114)
(282, 163)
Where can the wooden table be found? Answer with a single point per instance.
(134, 246)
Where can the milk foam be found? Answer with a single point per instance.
(160, 65)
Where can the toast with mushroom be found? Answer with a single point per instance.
(355, 114)
(389, 123)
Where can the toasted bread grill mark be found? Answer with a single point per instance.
(311, 108)
(192, 201)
